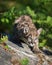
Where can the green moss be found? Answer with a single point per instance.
(25, 61)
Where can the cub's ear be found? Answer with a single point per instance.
(39, 31)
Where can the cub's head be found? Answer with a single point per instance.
(34, 39)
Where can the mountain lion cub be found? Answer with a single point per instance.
(26, 31)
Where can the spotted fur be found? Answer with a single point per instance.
(27, 31)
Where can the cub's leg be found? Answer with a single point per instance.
(36, 48)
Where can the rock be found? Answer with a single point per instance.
(14, 61)
(25, 52)
(4, 57)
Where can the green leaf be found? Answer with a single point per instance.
(3, 20)
(6, 47)
(7, 20)
(43, 43)
(49, 18)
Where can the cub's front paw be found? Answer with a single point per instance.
(36, 50)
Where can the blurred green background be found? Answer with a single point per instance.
(39, 10)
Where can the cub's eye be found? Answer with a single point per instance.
(35, 38)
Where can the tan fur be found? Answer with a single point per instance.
(25, 23)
